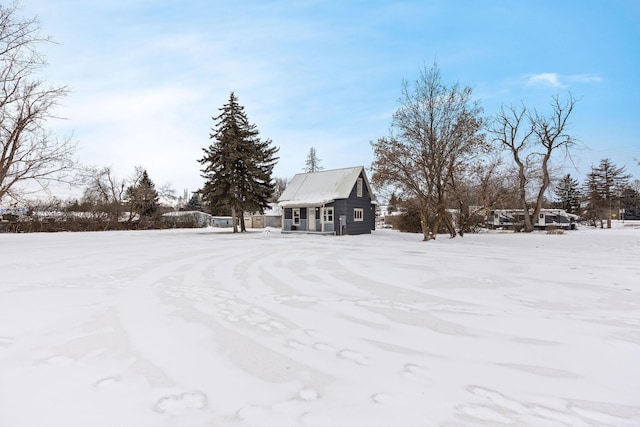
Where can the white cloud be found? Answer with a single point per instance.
(544, 79)
(554, 80)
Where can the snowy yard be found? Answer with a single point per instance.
(204, 328)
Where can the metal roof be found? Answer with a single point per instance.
(319, 188)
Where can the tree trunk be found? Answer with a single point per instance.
(435, 227)
(546, 181)
(449, 223)
(243, 227)
(528, 224)
(424, 224)
(522, 195)
(235, 219)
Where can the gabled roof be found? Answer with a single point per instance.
(318, 188)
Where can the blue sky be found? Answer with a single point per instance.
(146, 76)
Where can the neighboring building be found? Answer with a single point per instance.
(338, 201)
(222, 221)
(193, 218)
(272, 217)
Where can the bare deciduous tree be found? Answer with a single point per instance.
(434, 135)
(532, 139)
(483, 186)
(104, 191)
(28, 150)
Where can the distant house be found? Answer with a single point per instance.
(192, 218)
(338, 201)
(271, 217)
(222, 221)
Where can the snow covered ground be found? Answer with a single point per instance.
(205, 328)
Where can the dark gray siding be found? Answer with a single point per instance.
(346, 207)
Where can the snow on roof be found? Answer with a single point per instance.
(184, 213)
(273, 210)
(318, 188)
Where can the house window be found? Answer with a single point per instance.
(358, 214)
(359, 187)
(327, 214)
(296, 216)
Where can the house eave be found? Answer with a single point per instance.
(305, 203)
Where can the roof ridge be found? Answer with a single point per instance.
(331, 170)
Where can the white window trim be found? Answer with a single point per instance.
(357, 217)
(359, 185)
(325, 213)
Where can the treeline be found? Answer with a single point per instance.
(107, 203)
(447, 164)
(606, 193)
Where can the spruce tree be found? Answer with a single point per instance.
(237, 165)
(611, 180)
(568, 194)
(630, 202)
(143, 197)
(594, 197)
(312, 163)
(194, 203)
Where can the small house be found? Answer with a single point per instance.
(338, 201)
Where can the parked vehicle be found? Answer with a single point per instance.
(547, 219)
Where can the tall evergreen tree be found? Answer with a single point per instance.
(143, 197)
(237, 165)
(393, 203)
(630, 202)
(194, 203)
(594, 198)
(610, 181)
(312, 163)
(568, 193)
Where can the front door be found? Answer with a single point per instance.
(311, 223)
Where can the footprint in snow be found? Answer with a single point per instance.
(386, 398)
(496, 398)
(271, 325)
(251, 413)
(323, 346)
(109, 382)
(181, 403)
(485, 414)
(354, 356)
(295, 344)
(415, 372)
(308, 394)
(312, 333)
